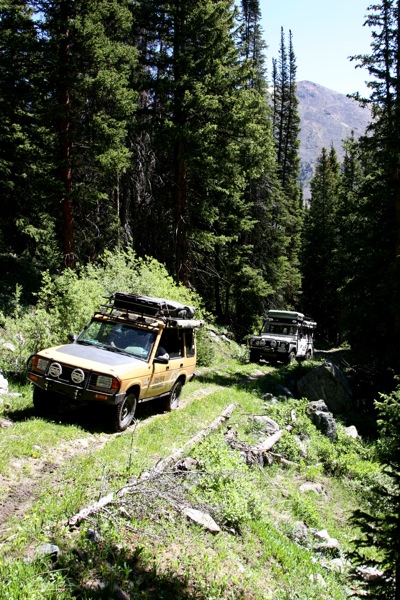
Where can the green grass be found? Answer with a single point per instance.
(157, 552)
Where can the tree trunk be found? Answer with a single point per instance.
(65, 142)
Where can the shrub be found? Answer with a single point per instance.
(66, 302)
(224, 485)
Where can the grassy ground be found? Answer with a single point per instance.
(142, 545)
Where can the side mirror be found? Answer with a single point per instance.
(72, 337)
(162, 360)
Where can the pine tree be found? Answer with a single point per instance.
(208, 126)
(27, 237)
(89, 63)
(351, 251)
(379, 526)
(320, 243)
(286, 125)
(378, 277)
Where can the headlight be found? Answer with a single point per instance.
(107, 382)
(39, 364)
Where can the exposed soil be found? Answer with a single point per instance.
(22, 490)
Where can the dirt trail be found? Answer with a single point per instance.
(21, 490)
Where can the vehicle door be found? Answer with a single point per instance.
(165, 374)
(302, 342)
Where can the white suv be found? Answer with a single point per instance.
(285, 336)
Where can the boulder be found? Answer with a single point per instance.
(322, 419)
(352, 432)
(3, 384)
(327, 382)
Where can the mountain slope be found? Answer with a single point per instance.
(327, 117)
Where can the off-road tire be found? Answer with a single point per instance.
(291, 358)
(254, 356)
(172, 400)
(124, 412)
(41, 402)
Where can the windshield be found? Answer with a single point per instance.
(279, 329)
(118, 337)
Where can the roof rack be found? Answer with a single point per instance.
(290, 316)
(174, 314)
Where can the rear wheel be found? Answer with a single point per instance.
(124, 412)
(172, 400)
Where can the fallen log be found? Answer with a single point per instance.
(154, 471)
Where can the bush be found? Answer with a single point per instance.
(205, 349)
(66, 302)
(224, 485)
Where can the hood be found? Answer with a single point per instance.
(92, 358)
(279, 337)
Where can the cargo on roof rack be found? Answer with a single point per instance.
(150, 306)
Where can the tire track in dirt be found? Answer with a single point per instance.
(21, 491)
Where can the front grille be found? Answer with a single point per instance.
(66, 377)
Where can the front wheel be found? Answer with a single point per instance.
(172, 400)
(291, 357)
(41, 402)
(254, 356)
(124, 412)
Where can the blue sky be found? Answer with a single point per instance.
(325, 33)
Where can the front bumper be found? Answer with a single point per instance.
(73, 392)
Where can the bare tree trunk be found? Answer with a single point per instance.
(65, 142)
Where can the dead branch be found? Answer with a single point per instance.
(153, 472)
(270, 441)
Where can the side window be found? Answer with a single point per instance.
(189, 342)
(172, 342)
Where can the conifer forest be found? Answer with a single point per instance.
(159, 128)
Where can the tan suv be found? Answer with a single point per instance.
(136, 349)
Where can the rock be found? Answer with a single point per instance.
(322, 534)
(9, 346)
(351, 432)
(328, 544)
(186, 464)
(331, 547)
(369, 573)
(311, 486)
(338, 565)
(119, 594)
(92, 535)
(48, 549)
(327, 382)
(300, 533)
(322, 419)
(318, 579)
(3, 384)
(5, 423)
(269, 398)
(202, 519)
(282, 392)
